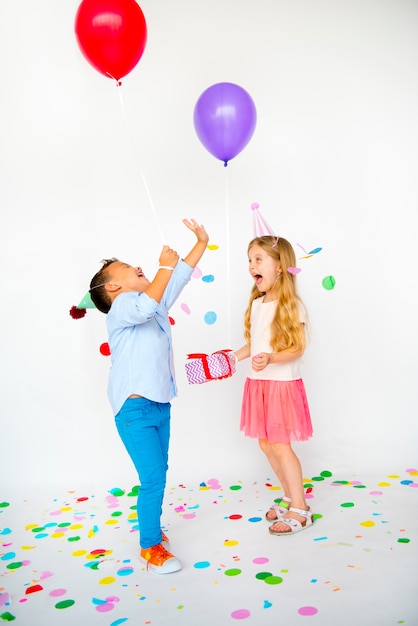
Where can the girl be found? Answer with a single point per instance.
(274, 405)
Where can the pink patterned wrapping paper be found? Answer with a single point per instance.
(201, 368)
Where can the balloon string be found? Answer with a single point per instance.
(129, 133)
(228, 262)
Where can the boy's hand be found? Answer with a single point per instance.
(168, 257)
(198, 229)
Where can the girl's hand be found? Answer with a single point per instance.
(260, 361)
(198, 229)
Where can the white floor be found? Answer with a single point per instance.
(72, 557)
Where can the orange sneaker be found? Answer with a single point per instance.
(160, 560)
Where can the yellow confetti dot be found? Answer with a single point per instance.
(107, 580)
(76, 526)
(110, 522)
(30, 526)
(204, 488)
(28, 547)
(133, 516)
(367, 523)
(393, 476)
(383, 485)
(57, 535)
(231, 542)
(413, 473)
(66, 508)
(79, 552)
(275, 488)
(213, 246)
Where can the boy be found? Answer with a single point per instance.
(142, 379)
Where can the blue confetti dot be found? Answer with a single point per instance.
(210, 317)
(201, 564)
(255, 519)
(209, 278)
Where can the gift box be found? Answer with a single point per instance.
(201, 368)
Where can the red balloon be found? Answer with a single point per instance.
(111, 34)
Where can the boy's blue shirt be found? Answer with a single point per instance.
(139, 333)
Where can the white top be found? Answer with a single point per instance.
(262, 314)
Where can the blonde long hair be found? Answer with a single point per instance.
(287, 331)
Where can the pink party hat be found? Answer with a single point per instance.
(260, 226)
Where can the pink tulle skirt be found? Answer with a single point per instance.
(275, 410)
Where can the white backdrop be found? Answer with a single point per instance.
(332, 163)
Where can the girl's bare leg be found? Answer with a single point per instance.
(287, 468)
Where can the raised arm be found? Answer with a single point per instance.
(198, 249)
(168, 259)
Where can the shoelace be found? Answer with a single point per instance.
(159, 552)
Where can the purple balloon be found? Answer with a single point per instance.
(224, 119)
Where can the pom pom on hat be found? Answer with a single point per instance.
(77, 313)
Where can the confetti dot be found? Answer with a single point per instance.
(240, 614)
(231, 542)
(328, 283)
(105, 349)
(263, 575)
(185, 308)
(260, 560)
(307, 610)
(235, 487)
(201, 564)
(273, 580)
(233, 572)
(347, 505)
(367, 524)
(107, 580)
(210, 317)
(213, 246)
(255, 519)
(125, 571)
(64, 604)
(55, 593)
(403, 540)
(235, 516)
(209, 278)
(196, 273)
(326, 473)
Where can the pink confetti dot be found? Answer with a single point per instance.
(307, 610)
(260, 560)
(254, 206)
(240, 614)
(55, 593)
(185, 308)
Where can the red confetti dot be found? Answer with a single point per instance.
(171, 320)
(235, 516)
(33, 589)
(82, 499)
(104, 349)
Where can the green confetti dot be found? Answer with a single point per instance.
(317, 478)
(359, 486)
(273, 580)
(116, 514)
(7, 617)
(232, 572)
(308, 486)
(64, 604)
(328, 283)
(64, 524)
(235, 487)
(76, 538)
(14, 565)
(116, 491)
(263, 575)
(3, 505)
(340, 482)
(134, 491)
(326, 473)
(403, 540)
(38, 529)
(347, 505)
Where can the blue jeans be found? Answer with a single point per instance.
(144, 427)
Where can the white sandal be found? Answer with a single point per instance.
(294, 525)
(280, 508)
